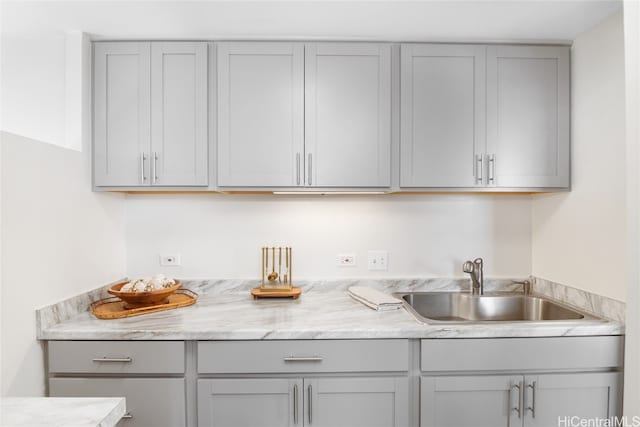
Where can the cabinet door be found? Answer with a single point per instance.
(442, 136)
(260, 114)
(158, 402)
(471, 401)
(528, 116)
(269, 402)
(122, 114)
(356, 402)
(554, 397)
(179, 114)
(347, 114)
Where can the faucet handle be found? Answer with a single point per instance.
(526, 286)
(468, 267)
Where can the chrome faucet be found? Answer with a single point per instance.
(477, 277)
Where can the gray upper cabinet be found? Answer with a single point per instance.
(454, 95)
(442, 115)
(179, 114)
(260, 114)
(528, 116)
(122, 113)
(150, 114)
(296, 115)
(347, 114)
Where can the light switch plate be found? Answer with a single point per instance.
(378, 260)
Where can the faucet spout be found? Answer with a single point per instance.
(475, 270)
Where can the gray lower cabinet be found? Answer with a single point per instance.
(516, 400)
(323, 402)
(357, 402)
(263, 402)
(149, 374)
(151, 402)
(468, 401)
(494, 382)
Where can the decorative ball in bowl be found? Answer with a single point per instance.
(145, 292)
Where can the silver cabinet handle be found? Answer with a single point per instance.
(532, 408)
(518, 408)
(114, 359)
(309, 168)
(127, 416)
(154, 172)
(143, 158)
(479, 162)
(295, 404)
(309, 400)
(302, 359)
(297, 168)
(492, 167)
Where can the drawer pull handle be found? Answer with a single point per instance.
(127, 416)
(114, 359)
(303, 359)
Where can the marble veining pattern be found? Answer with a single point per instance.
(225, 310)
(592, 303)
(61, 411)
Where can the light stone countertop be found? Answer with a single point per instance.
(226, 311)
(61, 411)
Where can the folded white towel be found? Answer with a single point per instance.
(374, 299)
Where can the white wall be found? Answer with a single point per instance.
(221, 235)
(58, 239)
(632, 338)
(578, 238)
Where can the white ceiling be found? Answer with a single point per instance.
(512, 20)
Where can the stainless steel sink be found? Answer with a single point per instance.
(436, 307)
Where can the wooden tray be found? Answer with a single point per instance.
(276, 293)
(113, 308)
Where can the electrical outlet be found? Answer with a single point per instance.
(378, 260)
(170, 260)
(346, 260)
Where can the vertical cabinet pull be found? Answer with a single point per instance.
(479, 162)
(297, 168)
(309, 168)
(154, 172)
(532, 408)
(517, 408)
(309, 400)
(295, 404)
(143, 158)
(492, 168)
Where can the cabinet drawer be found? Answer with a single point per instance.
(521, 353)
(117, 357)
(303, 356)
(154, 402)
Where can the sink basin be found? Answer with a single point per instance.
(434, 307)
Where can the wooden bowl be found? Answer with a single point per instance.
(143, 299)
